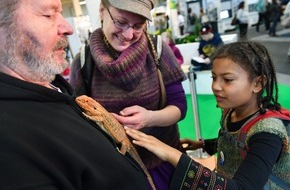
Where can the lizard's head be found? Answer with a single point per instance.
(88, 105)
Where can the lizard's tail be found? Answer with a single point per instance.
(150, 180)
(136, 156)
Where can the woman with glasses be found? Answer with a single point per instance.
(126, 82)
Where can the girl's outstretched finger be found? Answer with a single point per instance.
(139, 138)
(133, 132)
(149, 142)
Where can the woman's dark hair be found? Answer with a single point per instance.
(254, 58)
(241, 5)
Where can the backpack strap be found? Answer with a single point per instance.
(86, 67)
(157, 42)
(155, 45)
(283, 114)
(82, 55)
(223, 132)
(279, 182)
(159, 46)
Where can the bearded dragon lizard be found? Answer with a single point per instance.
(97, 113)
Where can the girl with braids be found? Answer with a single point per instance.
(244, 83)
(125, 78)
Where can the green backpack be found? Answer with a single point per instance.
(284, 115)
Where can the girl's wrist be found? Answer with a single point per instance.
(202, 144)
(174, 157)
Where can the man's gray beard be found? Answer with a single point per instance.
(23, 56)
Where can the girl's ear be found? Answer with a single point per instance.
(258, 83)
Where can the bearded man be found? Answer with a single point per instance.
(45, 141)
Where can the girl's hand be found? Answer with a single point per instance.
(160, 149)
(135, 117)
(188, 144)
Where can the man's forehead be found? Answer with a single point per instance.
(44, 4)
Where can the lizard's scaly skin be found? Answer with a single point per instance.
(97, 113)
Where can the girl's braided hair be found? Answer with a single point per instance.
(254, 58)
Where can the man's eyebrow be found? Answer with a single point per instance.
(52, 6)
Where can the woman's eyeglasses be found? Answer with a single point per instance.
(124, 26)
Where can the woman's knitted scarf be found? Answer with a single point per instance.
(124, 71)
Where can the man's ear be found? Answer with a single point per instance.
(101, 11)
(258, 83)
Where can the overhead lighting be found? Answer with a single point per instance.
(82, 2)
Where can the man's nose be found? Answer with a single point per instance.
(65, 28)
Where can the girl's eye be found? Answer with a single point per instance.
(228, 80)
(48, 16)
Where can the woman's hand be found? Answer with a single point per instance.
(135, 117)
(160, 149)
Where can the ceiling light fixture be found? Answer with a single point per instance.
(82, 2)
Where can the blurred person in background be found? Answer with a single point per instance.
(208, 45)
(243, 17)
(264, 16)
(275, 13)
(181, 22)
(168, 39)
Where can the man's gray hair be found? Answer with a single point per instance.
(7, 11)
